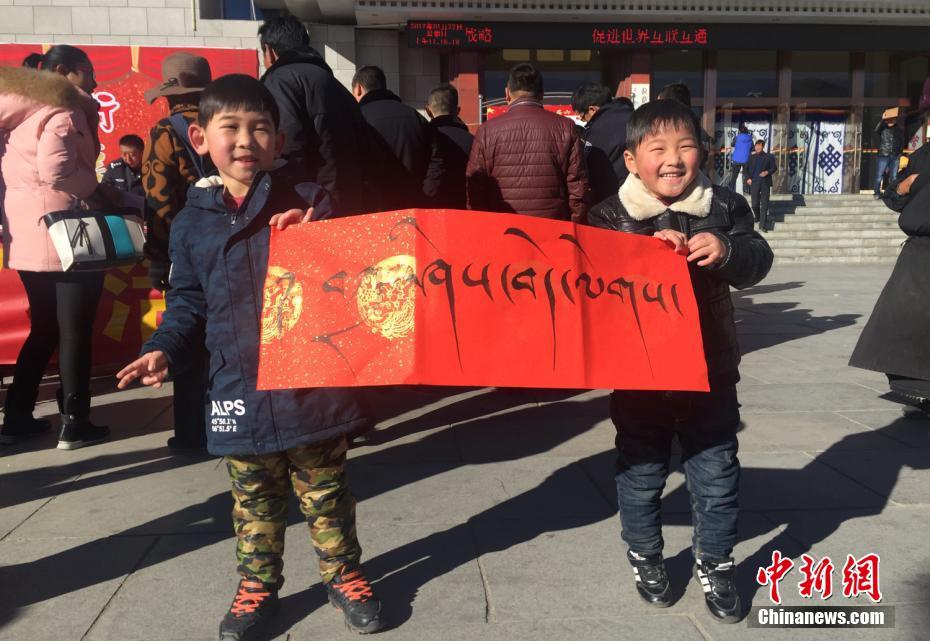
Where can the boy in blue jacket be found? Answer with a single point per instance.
(273, 441)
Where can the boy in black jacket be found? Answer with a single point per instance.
(278, 441)
(667, 196)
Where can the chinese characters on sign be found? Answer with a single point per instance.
(492, 35)
(646, 37)
(860, 576)
(450, 34)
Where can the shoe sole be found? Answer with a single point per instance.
(255, 632)
(375, 625)
(76, 445)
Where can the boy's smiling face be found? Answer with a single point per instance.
(667, 162)
(241, 144)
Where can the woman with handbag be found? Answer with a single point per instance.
(49, 121)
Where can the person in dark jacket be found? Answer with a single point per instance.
(403, 144)
(605, 119)
(323, 127)
(454, 142)
(890, 144)
(759, 172)
(273, 441)
(895, 341)
(667, 196)
(126, 173)
(170, 166)
(528, 161)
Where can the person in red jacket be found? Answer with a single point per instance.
(528, 161)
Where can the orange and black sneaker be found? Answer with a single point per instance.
(254, 604)
(351, 593)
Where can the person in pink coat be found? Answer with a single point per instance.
(48, 153)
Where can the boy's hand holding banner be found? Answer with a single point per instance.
(444, 297)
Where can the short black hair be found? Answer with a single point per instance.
(653, 117)
(370, 77)
(623, 100)
(131, 140)
(443, 100)
(676, 91)
(283, 33)
(526, 77)
(236, 92)
(760, 142)
(590, 94)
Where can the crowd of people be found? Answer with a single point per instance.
(237, 156)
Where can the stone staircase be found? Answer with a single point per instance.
(833, 229)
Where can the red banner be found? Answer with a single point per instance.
(129, 310)
(561, 110)
(443, 297)
(124, 74)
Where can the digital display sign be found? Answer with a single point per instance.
(476, 35)
(451, 34)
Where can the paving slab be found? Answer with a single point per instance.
(193, 498)
(489, 513)
(909, 427)
(793, 397)
(54, 589)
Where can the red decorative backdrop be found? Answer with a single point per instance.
(130, 309)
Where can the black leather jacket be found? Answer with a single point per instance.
(748, 260)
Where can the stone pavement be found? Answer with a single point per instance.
(490, 514)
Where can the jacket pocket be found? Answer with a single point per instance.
(217, 361)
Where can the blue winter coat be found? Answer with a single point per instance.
(219, 261)
(742, 148)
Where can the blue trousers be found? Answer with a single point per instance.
(891, 162)
(706, 426)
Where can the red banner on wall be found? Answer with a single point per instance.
(129, 310)
(445, 297)
(124, 74)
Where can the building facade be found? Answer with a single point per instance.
(810, 77)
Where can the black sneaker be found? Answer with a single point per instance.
(651, 579)
(255, 603)
(78, 434)
(718, 580)
(351, 594)
(18, 428)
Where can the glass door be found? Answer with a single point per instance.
(817, 158)
(759, 122)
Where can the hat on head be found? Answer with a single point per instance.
(181, 73)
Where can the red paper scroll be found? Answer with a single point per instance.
(443, 297)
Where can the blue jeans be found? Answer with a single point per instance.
(891, 162)
(706, 425)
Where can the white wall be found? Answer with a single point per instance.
(120, 22)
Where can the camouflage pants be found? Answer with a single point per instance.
(260, 486)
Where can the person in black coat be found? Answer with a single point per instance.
(759, 172)
(895, 340)
(323, 126)
(604, 137)
(403, 144)
(454, 141)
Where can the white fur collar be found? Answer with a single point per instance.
(642, 205)
(216, 181)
